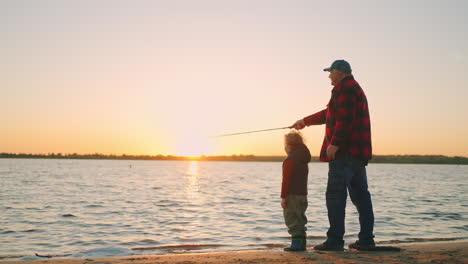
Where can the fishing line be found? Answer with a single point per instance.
(248, 132)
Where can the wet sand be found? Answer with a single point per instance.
(446, 252)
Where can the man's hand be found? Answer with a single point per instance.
(300, 124)
(284, 204)
(331, 151)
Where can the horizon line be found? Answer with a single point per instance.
(198, 156)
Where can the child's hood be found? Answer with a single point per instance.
(300, 153)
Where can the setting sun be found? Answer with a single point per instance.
(193, 146)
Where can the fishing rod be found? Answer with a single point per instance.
(248, 132)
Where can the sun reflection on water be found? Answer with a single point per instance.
(195, 200)
(192, 175)
(193, 168)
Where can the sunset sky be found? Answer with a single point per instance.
(160, 77)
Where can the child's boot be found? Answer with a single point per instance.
(297, 244)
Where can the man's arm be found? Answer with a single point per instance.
(315, 119)
(318, 118)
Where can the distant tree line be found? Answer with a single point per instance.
(419, 159)
(402, 159)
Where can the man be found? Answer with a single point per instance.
(347, 148)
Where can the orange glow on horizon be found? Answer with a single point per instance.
(194, 146)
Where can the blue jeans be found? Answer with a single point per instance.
(348, 174)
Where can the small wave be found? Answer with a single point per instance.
(33, 208)
(267, 245)
(396, 234)
(428, 201)
(179, 223)
(76, 242)
(5, 257)
(183, 247)
(104, 252)
(31, 230)
(465, 227)
(241, 199)
(423, 218)
(170, 206)
(149, 241)
(178, 229)
(68, 215)
(7, 232)
(51, 256)
(140, 242)
(448, 216)
(236, 214)
(416, 239)
(184, 239)
(93, 205)
(27, 258)
(165, 201)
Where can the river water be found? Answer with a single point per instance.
(112, 207)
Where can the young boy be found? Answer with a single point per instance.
(294, 189)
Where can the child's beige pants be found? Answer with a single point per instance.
(294, 215)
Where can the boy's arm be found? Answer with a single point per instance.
(318, 118)
(288, 167)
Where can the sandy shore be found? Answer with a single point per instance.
(446, 252)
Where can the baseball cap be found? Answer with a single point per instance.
(339, 65)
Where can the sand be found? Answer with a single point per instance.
(446, 252)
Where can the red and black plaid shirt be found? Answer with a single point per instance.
(347, 121)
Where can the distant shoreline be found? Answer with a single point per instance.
(398, 159)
